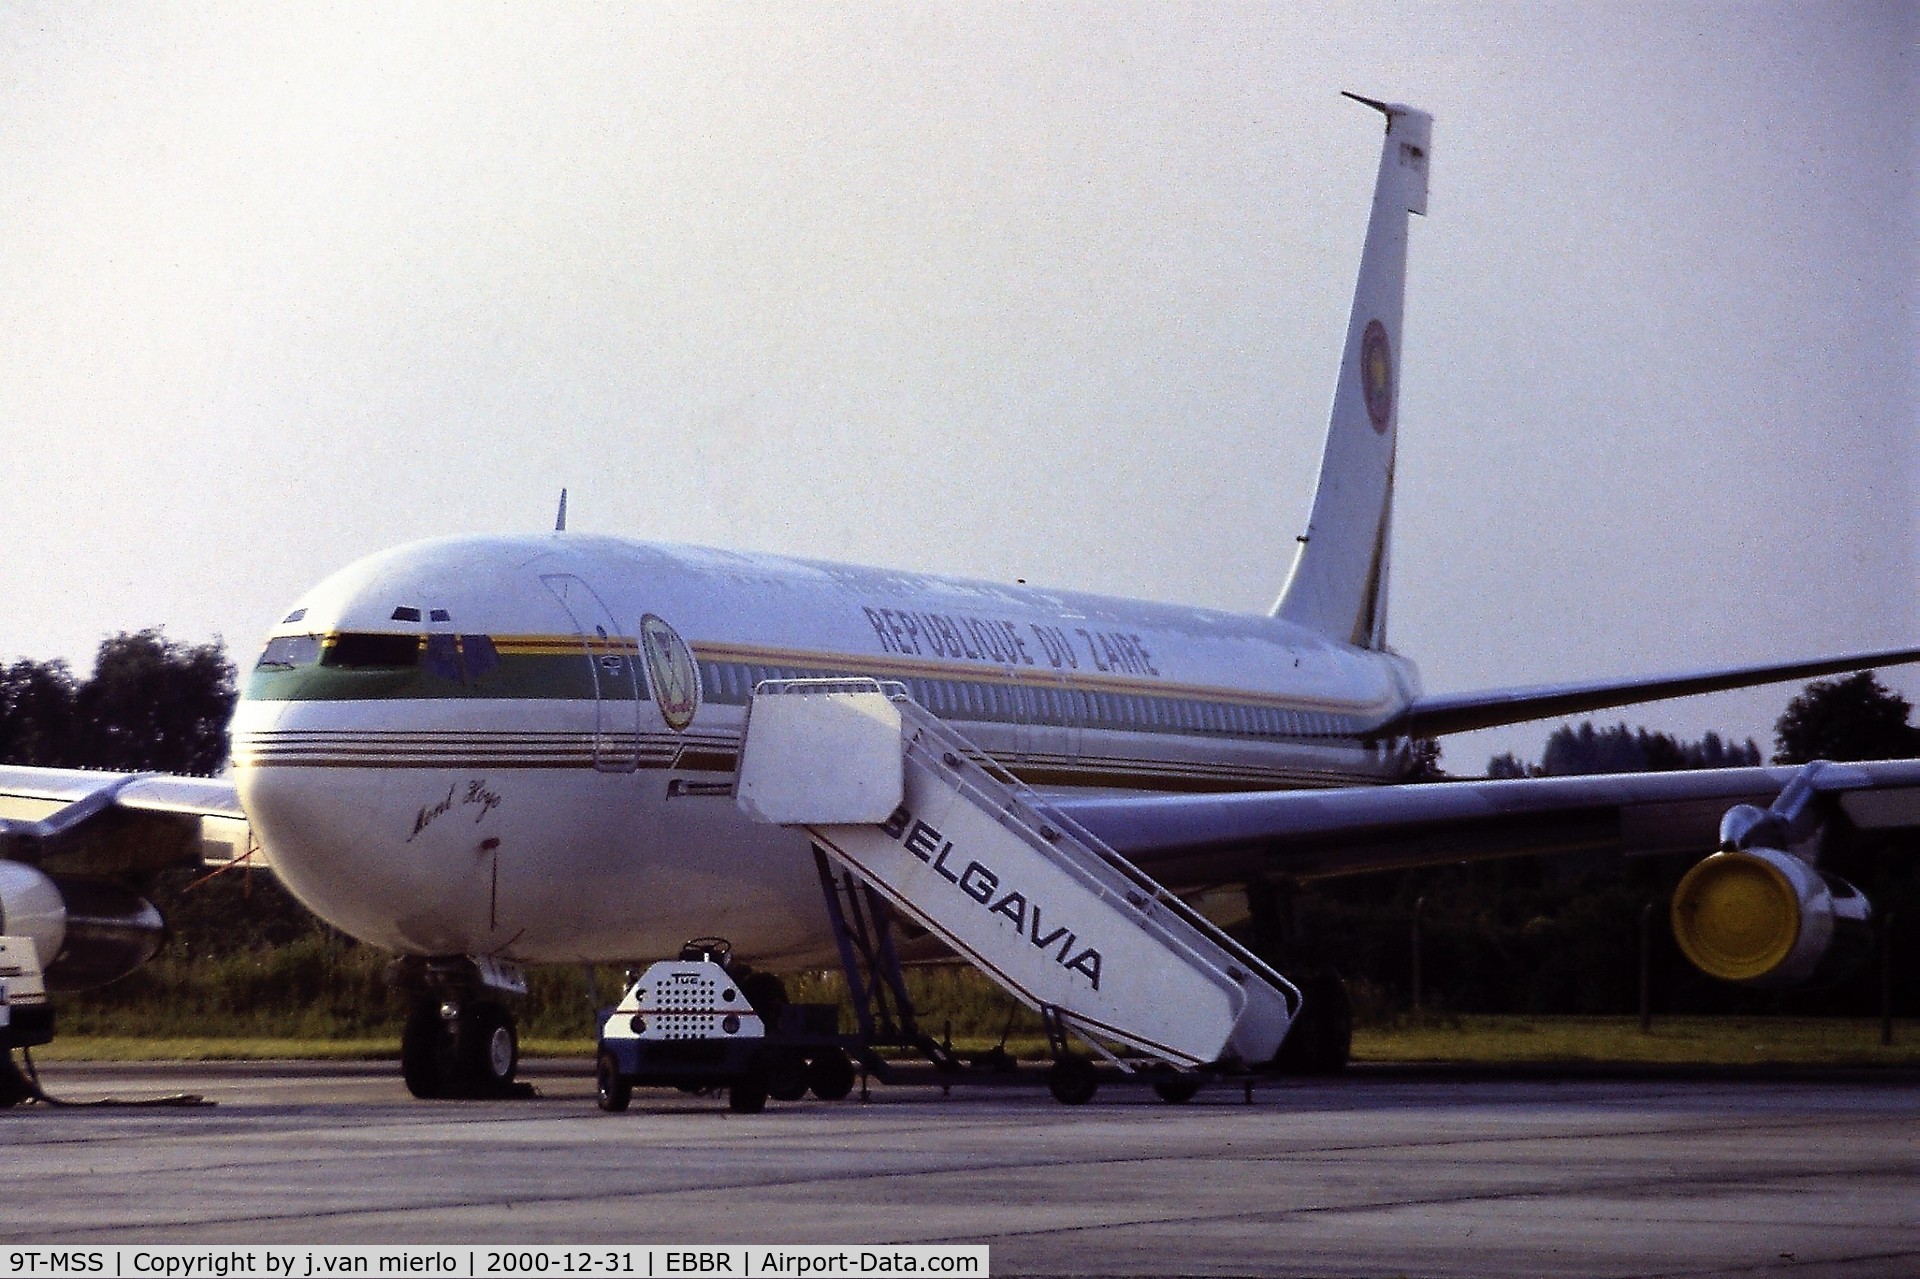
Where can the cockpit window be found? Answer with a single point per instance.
(361, 650)
(289, 651)
(482, 656)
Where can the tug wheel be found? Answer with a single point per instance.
(830, 1075)
(615, 1093)
(1072, 1081)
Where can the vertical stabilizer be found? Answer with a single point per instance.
(1339, 581)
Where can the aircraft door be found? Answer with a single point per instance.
(614, 666)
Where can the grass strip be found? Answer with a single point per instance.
(1673, 1041)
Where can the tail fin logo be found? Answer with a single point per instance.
(1376, 375)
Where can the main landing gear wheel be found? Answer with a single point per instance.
(1072, 1081)
(830, 1075)
(615, 1093)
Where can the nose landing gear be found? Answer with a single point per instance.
(451, 1049)
(460, 1040)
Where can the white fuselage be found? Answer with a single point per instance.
(525, 746)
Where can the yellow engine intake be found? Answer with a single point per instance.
(1762, 917)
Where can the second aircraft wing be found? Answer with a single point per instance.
(76, 821)
(1189, 841)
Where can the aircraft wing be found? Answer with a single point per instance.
(1463, 712)
(1190, 841)
(74, 821)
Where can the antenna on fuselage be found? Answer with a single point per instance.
(560, 520)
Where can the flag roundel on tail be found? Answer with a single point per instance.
(1376, 375)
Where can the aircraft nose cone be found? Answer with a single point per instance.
(336, 822)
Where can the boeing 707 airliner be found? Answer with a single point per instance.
(483, 752)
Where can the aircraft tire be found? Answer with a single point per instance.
(1072, 1081)
(615, 1093)
(426, 1057)
(830, 1075)
(491, 1048)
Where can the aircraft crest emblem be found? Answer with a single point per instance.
(1376, 375)
(676, 680)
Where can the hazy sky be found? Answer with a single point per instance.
(1049, 292)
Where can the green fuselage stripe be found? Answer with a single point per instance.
(532, 676)
(551, 673)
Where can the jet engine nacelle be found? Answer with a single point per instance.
(86, 932)
(1762, 917)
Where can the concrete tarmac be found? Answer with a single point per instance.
(1380, 1172)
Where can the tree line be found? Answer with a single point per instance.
(151, 704)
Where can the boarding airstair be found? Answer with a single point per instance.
(1038, 903)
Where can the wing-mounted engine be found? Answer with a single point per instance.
(86, 932)
(62, 874)
(1758, 912)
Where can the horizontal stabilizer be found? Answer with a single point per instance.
(1490, 708)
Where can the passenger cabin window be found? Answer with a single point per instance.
(359, 650)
